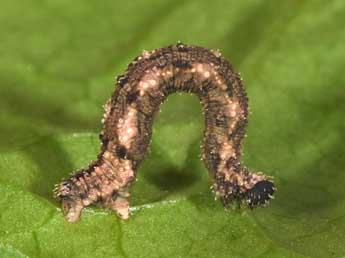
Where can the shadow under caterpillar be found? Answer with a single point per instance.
(127, 131)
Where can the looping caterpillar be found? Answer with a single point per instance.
(127, 130)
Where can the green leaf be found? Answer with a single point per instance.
(57, 67)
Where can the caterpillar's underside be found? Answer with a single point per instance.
(128, 119)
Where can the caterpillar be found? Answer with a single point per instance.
(127, 130)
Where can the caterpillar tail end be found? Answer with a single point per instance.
(71, 209)
(121, 207)
(71, 205)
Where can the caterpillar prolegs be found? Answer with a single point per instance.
(127, 130)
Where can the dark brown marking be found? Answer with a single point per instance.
(121, 151)
(132, 96)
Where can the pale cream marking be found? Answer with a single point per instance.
(200, 67)
(218, 80)
(107, 190)
(234, 108)
(150, 80)
(226, 152)
(123, 172)
(124, 166)
(153, 82)
(252, 179)
(127, 127)
(206, 71)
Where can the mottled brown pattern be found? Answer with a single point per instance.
(128, 119)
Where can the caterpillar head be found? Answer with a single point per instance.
(259, 194)
(256, 194)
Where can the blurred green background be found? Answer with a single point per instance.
(58, 60)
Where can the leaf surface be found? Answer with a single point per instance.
(57, 67)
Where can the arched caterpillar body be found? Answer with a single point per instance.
(128, 119)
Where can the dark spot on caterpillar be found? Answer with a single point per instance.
(132, 96)
(237, 167)
(128, 126)
(83, 195)
(231, 162)
(121, 151)
(68, 184)
(104, 140)
(122, 80)
(181, 64)
(80, 174)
